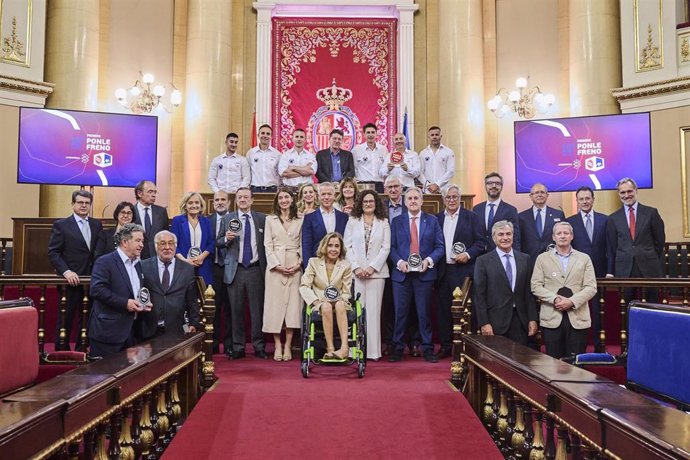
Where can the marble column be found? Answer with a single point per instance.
(406, 68)
(208, 80)
(461, 89)
(71, 63)
(595, 66)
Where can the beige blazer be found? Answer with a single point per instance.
(376, 253)
(548, 278)
(315, 280)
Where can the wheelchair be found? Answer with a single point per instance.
(314, 343)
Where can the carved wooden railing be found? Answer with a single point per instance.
(537, 407)
(4, 244)
(128, 405)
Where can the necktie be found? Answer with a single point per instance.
(86, 231)
(147, 220)
(538, 223)
(631, 213)
(337, 174)
(509, 270)
(414, 236)
(247, 243)
(490, 222)
(588, 227)
(165, 282)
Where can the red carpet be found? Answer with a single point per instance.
(265, 409)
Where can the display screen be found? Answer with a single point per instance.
(69, 147)
(567, 153)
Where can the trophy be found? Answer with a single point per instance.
(459, 248)
(414, 262)
(143, 297)
(235, 225)
(331, 293)
(193, 252)
(397, 157)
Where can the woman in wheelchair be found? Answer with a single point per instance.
(325, 286)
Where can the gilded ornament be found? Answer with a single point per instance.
(12, 48)
(649, 55)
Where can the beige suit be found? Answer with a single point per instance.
(315, 280)
(548, 278)
(282, 300)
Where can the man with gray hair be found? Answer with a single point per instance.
(564, 281)
(116, 281)
(503, 300)
(324, 220)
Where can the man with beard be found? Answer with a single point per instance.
(495, 209)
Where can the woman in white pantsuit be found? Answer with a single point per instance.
(368, 242)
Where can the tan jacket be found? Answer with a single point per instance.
(315, 280)
(548, 278)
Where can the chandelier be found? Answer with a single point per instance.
(145, 97)
(526, 102)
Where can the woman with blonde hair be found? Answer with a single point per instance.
(307, 199)
(195, 240)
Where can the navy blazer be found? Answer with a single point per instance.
(67, 249)
(159, 221)
(430, 244)
(469, 231)
(647, 250)
(597, 249)
(531, 244)
(110, 321)
(324, 165)
(180, 227)
(504, 211)
(313, 230)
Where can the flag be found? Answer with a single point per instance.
(253, 141)
(404, 130)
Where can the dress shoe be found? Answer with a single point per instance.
(261, 354)
(430, 357)
(395, 357)
(443, 353)
(414, 351)
(237, 354)
(388, 350)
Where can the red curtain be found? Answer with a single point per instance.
(309, 55)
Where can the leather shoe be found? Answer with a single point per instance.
(261, 354)
(414, 351)
(388, 350)
(430, 357)
(237, 354)
(443, 353)
(395, 357)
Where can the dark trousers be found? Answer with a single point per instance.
(564, 340)
(453, 277)
(595, 314)
(248, 284)
(74, 296)
(102, 350)
(388, 319)
(516, 331)
(404, 293)
(222, 310)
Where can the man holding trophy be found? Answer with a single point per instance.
(416, 248)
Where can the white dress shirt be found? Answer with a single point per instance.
(328, 219)
(228, 173)
(368, 161)
(437, 168)
(513, 267)
(264, 166)
(411, 158)
(130, 266)
(626, 208)
(142, 213)
(450, 222)
(161, 269)
(255, 253)
(543, 216)
(294, 158)
(488, 209)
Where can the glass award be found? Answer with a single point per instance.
(235, 225)
(459, 248)
(414, 262)
(143, 297)
(193, 252)
(331, 293)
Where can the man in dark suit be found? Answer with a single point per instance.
(464, 242)
(636, 236)
(536, 223)
(220, 206)
(416, 248)
(495, 209)
(71, 253)
(115, 285)
(589, 236)
(149, 215)
(324, 220)
(172, 286)
(502, 295)
(334, 164)
(244, 255)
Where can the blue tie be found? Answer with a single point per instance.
(247, 242)
(491, 217)
(337, 174)
(537, 222)
(509, 270)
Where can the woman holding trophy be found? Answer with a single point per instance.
(195, 240)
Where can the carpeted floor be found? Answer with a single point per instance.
(265, 409)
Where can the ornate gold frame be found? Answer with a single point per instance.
(27, 45)
(660, 48)
(684, 142)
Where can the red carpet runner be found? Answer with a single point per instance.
(265, 409)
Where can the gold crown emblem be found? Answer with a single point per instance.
(334, 96)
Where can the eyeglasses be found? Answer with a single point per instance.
(125, 213)
(493, 182)
(452, 197)
(538, 192)
(166, 244)
(394, 186)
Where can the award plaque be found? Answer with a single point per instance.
(235, 225)
(331, 293)
(194, 252)
(397, 157)
(144, 296)
(414, 262)
(459, 248)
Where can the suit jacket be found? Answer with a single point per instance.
(110, 322)
(430, 244)
(105, 242)
(213, 219)
(315, 280)
(647, 250)
(67, 249)
(469, 231)
(493, 297)
(598, 249)
(504, 211)
(159, 221)
(314, 229)
(180, 227)
(529, 239)
(170, 304)
(375, 254)
(230, 250)
(324, 166)
(548, 277)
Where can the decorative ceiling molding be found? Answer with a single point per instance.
(18, 91)
(652, 89)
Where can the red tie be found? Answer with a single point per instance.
(414, 237)
(632, 222)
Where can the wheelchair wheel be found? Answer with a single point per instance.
(305, 369)
(360, 369)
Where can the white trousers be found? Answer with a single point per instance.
(371, 291)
